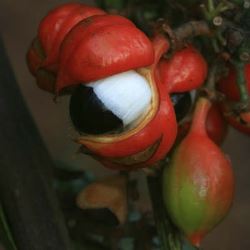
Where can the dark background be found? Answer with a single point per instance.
(18, 24)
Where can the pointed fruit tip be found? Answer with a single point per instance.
(195, 239)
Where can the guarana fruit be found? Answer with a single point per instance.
(240, 120)
(147, 135)
(120, 91)
(198, 183)
(186, 70)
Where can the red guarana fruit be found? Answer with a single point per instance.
(184, 71)
(96, 48)
(216, 125)
(42, 56)
(154, 135)
(198, 183)
(228, 86)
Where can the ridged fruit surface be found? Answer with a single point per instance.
(198, 184)
(43, 54)
(102, 46)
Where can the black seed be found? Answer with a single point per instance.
(182, 103)
(89, 115)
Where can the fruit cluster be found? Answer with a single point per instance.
(128, 101)
(120, 84)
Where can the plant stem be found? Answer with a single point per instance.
(168, 234)
(241, 82)
(5, 233)
(210, 5)
(187, 31)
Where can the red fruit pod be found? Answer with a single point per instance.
(184, 71)
(44, 50)
(152, 137)
(228, 86)
(102, 46)
(56, 25)
(198, 184)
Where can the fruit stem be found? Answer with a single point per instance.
(210, 83)
(190, 29)
(170, 237)
(161, 46)
(200, 114)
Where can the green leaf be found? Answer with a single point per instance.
(5, 233)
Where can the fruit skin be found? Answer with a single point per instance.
(150, 141)
(55, 26)
(102, 46)
(228, 86)
(184, 71)
(198, 184)
(45, 48)
(74, 37)
(216, 125)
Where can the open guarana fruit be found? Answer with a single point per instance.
(120, 95)
(145, 133)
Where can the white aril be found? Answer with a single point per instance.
(127, 95)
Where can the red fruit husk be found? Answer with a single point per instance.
(56, 25)
(101, 46)
(43, 54)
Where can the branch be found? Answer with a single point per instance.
(169, 236)
(192, 29)
(179, 35)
